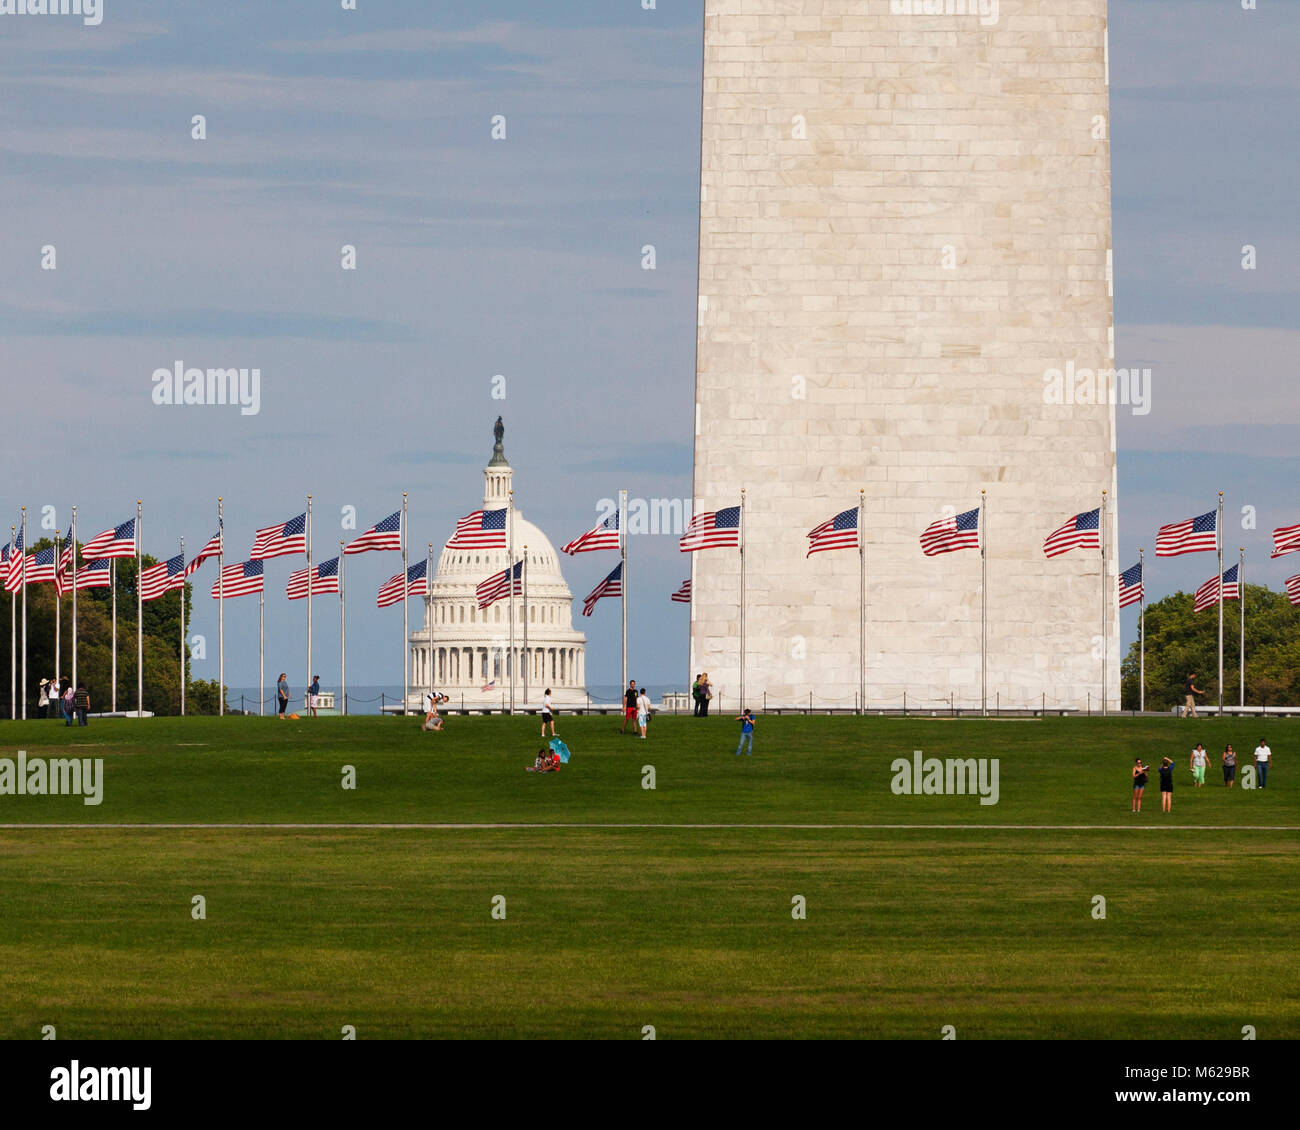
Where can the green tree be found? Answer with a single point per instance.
(1180, 641)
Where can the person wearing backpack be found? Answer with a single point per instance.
(69, 697)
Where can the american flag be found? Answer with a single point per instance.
(392, 590)
(163, 577)
(95, 575)
(488, 686)
(604, 536)
(41, 566)
(1286, 539)
(12, 556)
(382, 535)
(62, 582)
(949, 534)
(238, 580)
(683, 594)
(484, 529)
(1208, 594)
(840, 532)
(610, 586)
(497, 586)
(212, 549)
(326, 579)
(717, 529)
(1293, 588)
(1083, 531)
(117, 542)
(1131, 590)
(1196, 535)
(279, 541)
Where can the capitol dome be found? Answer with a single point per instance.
(463, 649)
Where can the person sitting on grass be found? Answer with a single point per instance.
(546, 762)
(432, 719)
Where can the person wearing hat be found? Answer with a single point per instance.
(43, 699)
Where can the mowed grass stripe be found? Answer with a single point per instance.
(690, 931)
(806, 771)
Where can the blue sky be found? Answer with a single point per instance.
(523, 258)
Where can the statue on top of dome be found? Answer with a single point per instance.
(498, 452)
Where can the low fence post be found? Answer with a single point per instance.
(381, 702)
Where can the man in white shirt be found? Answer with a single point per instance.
(642, 710)
(432, 719)
(1263, 756)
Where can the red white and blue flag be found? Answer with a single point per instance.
(717, 529)
(1208, 594)
(949, 534)
(1195, 535)
(683, 594)
(159, 579)
(1286, 539)
(1131, 590)
(382, 535)
(497, 586)
(325, 579)
(392, 590)
(238, 580)
(117, 542)
(279, 541)
(41, 566)
(95, 574)
(484, 529)
(1293, 588)
(604, 536)
(1083, 531)
(63, 582)
(840, 532)
(212, 549)
(610, 586)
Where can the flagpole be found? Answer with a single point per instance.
(741, 543)
(1105, 627)
(58, 609)
(310, 586)
(343, 632)
(1142, 632)
(221, 617)
(139, 610)
(428, 610)
(182, 627)
(406, 584)
(524, 579)
(510, 586)
(1218, 538)
(112, 584)
(1241, 588)
(13, 634)
(862, 603)
(261, 648)
(22, 577)
(74, 597)
(622, 545)
(984, 603)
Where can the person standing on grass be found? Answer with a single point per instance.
(69, 697)
(313, 694)
(282, 694)
(1190, 691)
(43, 700)
(696, 695)
(1263, 758)
(629, 704)
(432, 719)
(1200, 762)
(706, 694)
(642, 711)
(82, 700)
(1166, 785)
(1139, 782)
(1229, 765)
(548, 713)
(746, 720)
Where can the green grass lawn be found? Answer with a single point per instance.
(607, 930)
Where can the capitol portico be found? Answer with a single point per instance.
(461, 649)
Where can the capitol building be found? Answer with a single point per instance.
(461, 649)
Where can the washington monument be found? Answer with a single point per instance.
(904, 229)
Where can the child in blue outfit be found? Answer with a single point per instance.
(746, 719)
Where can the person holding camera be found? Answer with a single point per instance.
(1139, 782)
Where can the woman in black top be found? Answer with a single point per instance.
(1166, 785)
(1229, 765)
(1139, 782)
